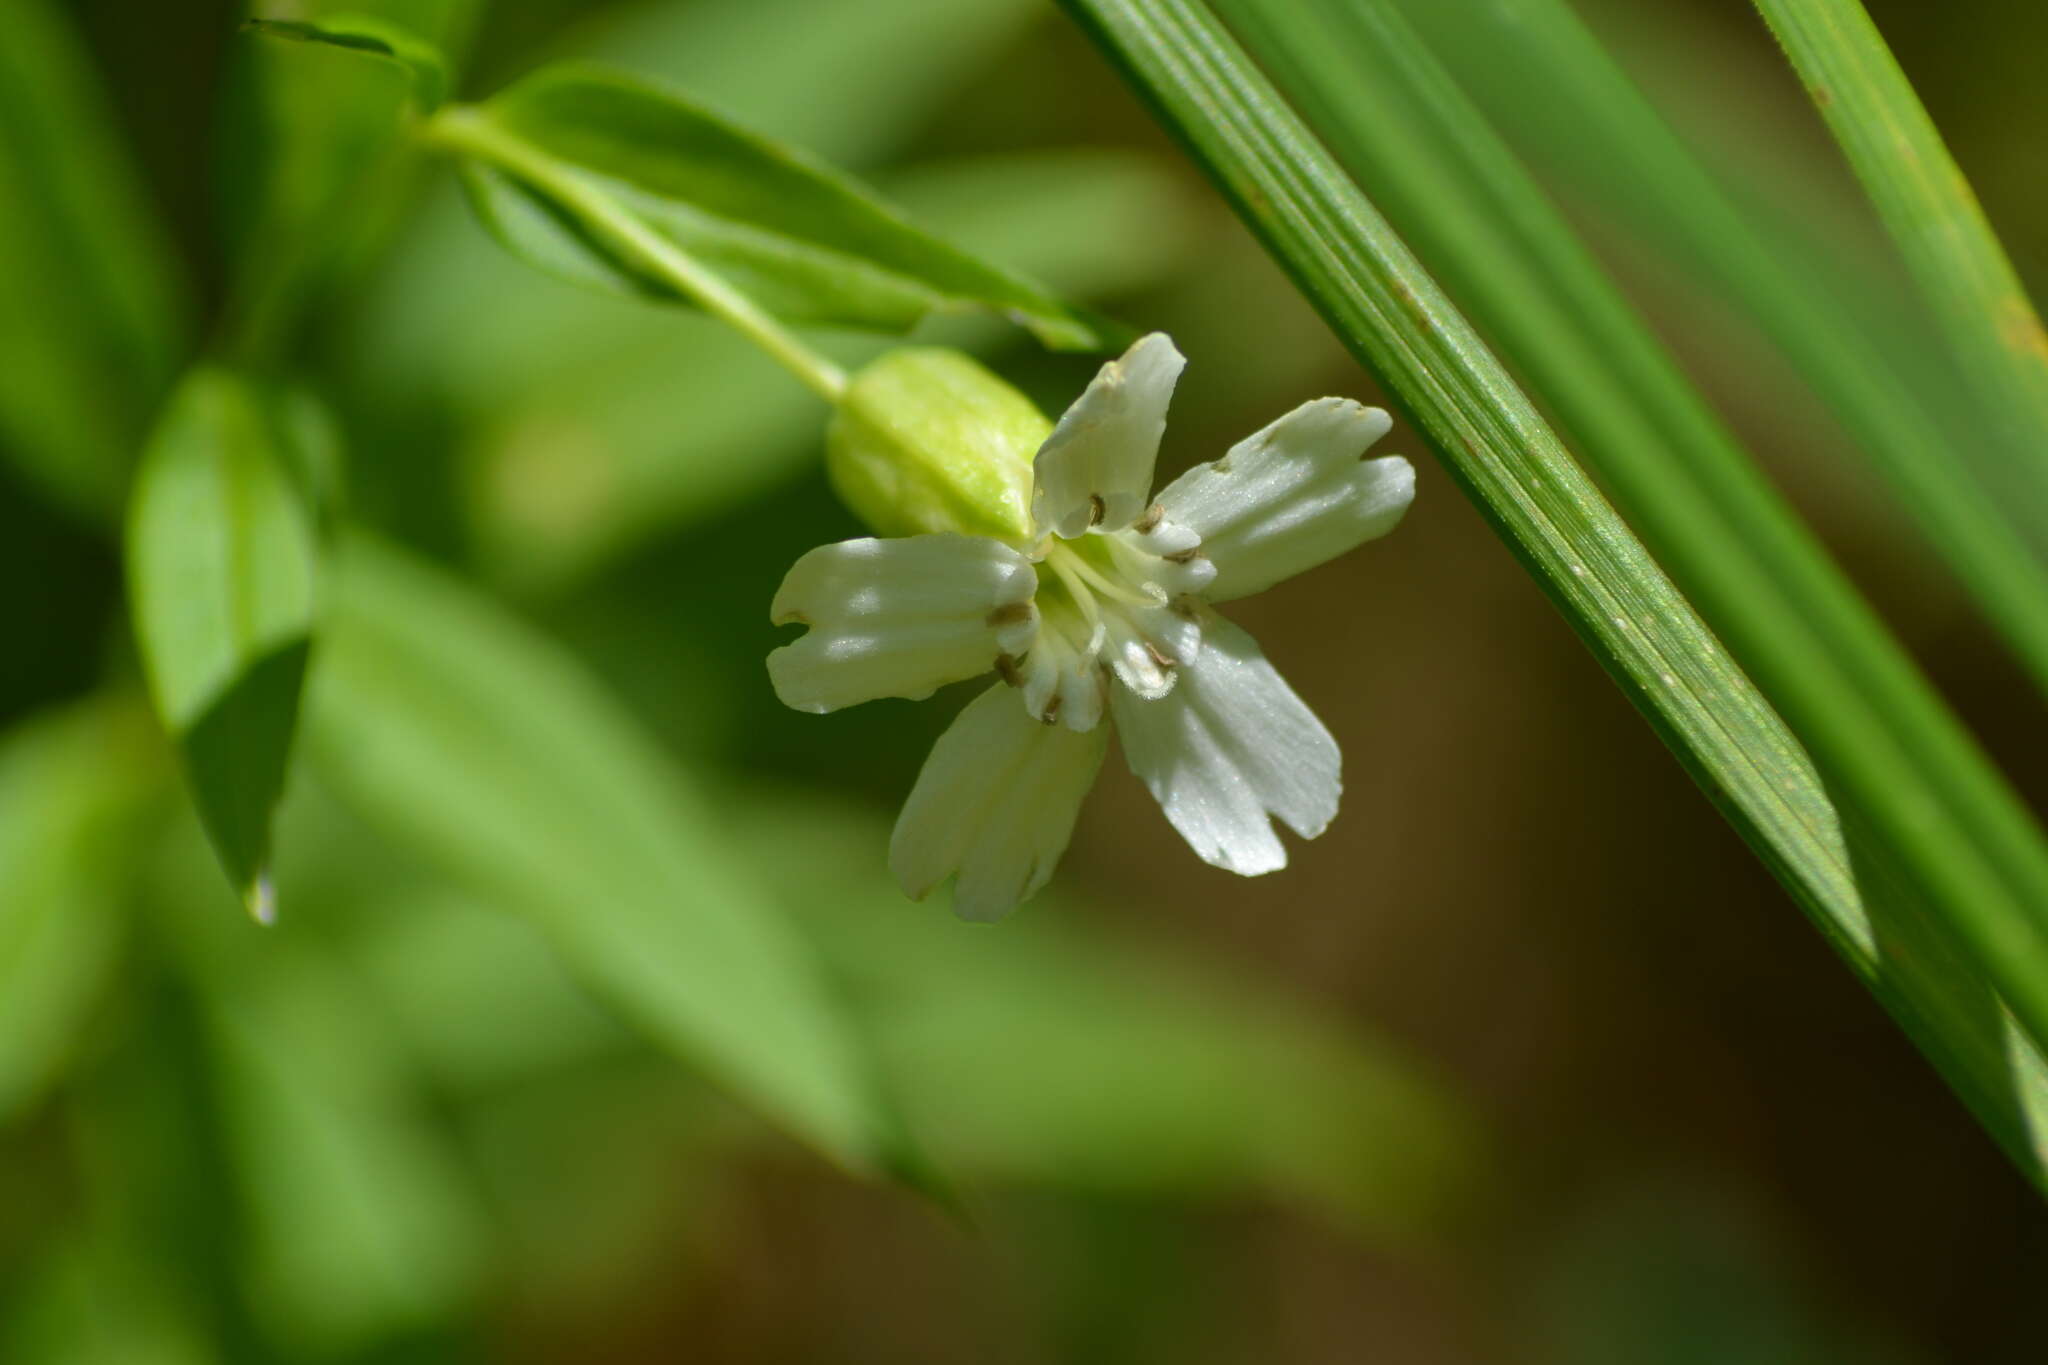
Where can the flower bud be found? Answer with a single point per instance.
(926, 439)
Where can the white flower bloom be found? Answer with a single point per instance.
(1102, 609)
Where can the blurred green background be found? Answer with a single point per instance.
(1468, 1082)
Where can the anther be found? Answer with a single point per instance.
(1051, 714)
(1006, 665)
(1153, 516)
(1097, 509)
(1011, 613)
(1160, 656)
(1187, 556)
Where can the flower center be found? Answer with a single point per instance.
(1110, 608)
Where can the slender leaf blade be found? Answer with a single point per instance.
(1551, 85)
(1734, 546)
(1386, 308)
(801, 240)
(473, 740)
(222, 562)
(1928, 207)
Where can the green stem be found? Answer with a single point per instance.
(462, 129)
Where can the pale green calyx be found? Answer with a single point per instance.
(927, 440)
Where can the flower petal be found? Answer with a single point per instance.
(899, 618)
(996, 803)
(1291, 496)
(1095, 470)
(1229, 744)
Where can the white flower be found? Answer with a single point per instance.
(1106, 608)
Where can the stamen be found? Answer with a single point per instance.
(1071, 567)
(1068, 566)
(1006, 665)
(1153, 516)
(1097, 510)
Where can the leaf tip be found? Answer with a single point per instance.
(261, 900)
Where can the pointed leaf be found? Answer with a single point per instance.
(222, 562)
(578, 170)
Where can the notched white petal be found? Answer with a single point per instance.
(1095, 470)
(995, 804)
(899, 618)
(1229, 747)
(1291, 496)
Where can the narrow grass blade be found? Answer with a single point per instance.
(1759, 577)
(222, 567)
(472, 740)
(1954, 859)
(1927, 206)
(1549, 83)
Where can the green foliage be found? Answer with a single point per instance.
(1551, 85)
(1927, 206)
(377, 37)
(517, 891)
(360, 1225)
(600, 178)
(71, 784)
(465, 735)
(91, 306)
(1931, 879)
(317, 164)
(223, 570)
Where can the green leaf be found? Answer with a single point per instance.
(91, 308)
(1930, 878)
(475, 741)
(422, 61)
(1551, 85)
(1760, 578)
(71, 783)
(600, 179)
(360, 1226)
(222, 564)
(1055, 1054)
(1928, 207)
(318, 167)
